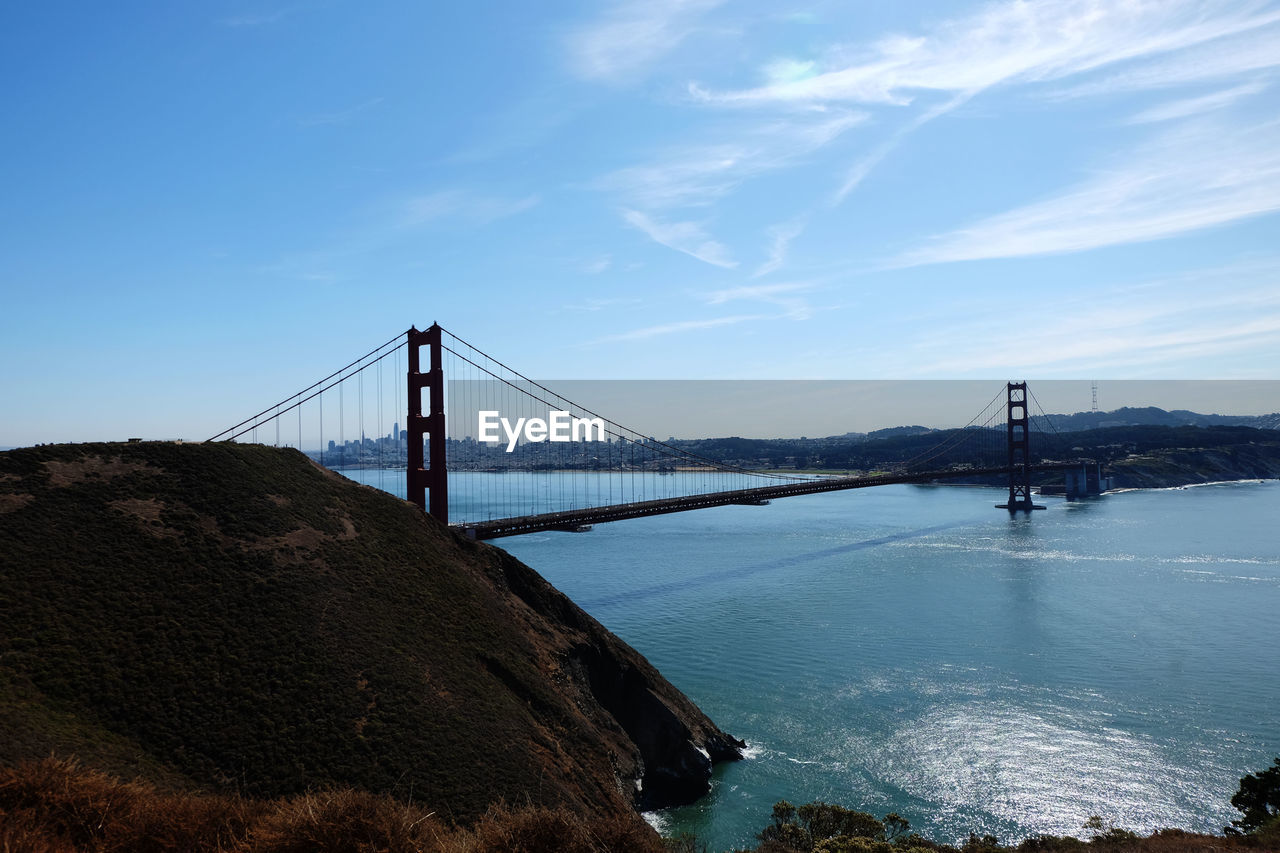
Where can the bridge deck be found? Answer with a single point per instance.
(579, 518)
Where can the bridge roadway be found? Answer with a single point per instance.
(581, 519)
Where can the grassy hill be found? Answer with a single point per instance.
(236, 619)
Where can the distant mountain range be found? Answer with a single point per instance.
(1152, 416)
(1080, 421)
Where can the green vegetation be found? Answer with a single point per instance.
(1259, 799)
(820, 827)
(827, 828)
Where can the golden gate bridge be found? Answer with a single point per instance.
(613, 474)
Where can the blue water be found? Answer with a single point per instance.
(912, 649)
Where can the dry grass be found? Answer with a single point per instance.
(62, 806)
(13, 503)
(341, 821)
(90, 468)
(57, 806)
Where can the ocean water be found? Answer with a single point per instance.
(913, 649)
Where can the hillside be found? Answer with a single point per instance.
(1154, 416)
(1161, 457)
(235, 618)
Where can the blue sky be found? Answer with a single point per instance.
(208, 206)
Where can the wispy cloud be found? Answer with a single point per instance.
(679, 327)
(634, 34)
(311, 267)
(1192, 178)
(1075, 347)
(864, 166)
(1197, 106)
(699, 175)
(1158, 328)
(593, 304)
(783, 295)
(687, 237)
(598, 265)
(1013, 41)
(525, 124)
(253, 20)
(786, 70)
(687, 178)
(780, 237)
(394, 221)
(1247, 53)
(341, 116)
(755, 291)
(462, 205)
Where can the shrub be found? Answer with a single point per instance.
(1258, 798)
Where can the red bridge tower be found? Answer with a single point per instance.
(431, 477)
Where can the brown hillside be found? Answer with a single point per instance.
(235, 618)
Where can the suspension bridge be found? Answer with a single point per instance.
(557, 465)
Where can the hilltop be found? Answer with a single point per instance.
(236, 619)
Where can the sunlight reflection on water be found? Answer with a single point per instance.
(1048, 769)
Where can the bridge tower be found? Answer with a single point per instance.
(1019, 442)
(422, 478)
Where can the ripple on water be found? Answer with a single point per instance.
(1044, 770)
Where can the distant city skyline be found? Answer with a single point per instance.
(207, 209)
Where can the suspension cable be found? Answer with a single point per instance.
(673, 451)
(305, 390)
(319, 390)
(955, 438)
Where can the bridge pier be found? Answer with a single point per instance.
(1019, 444)
(1086, 481)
